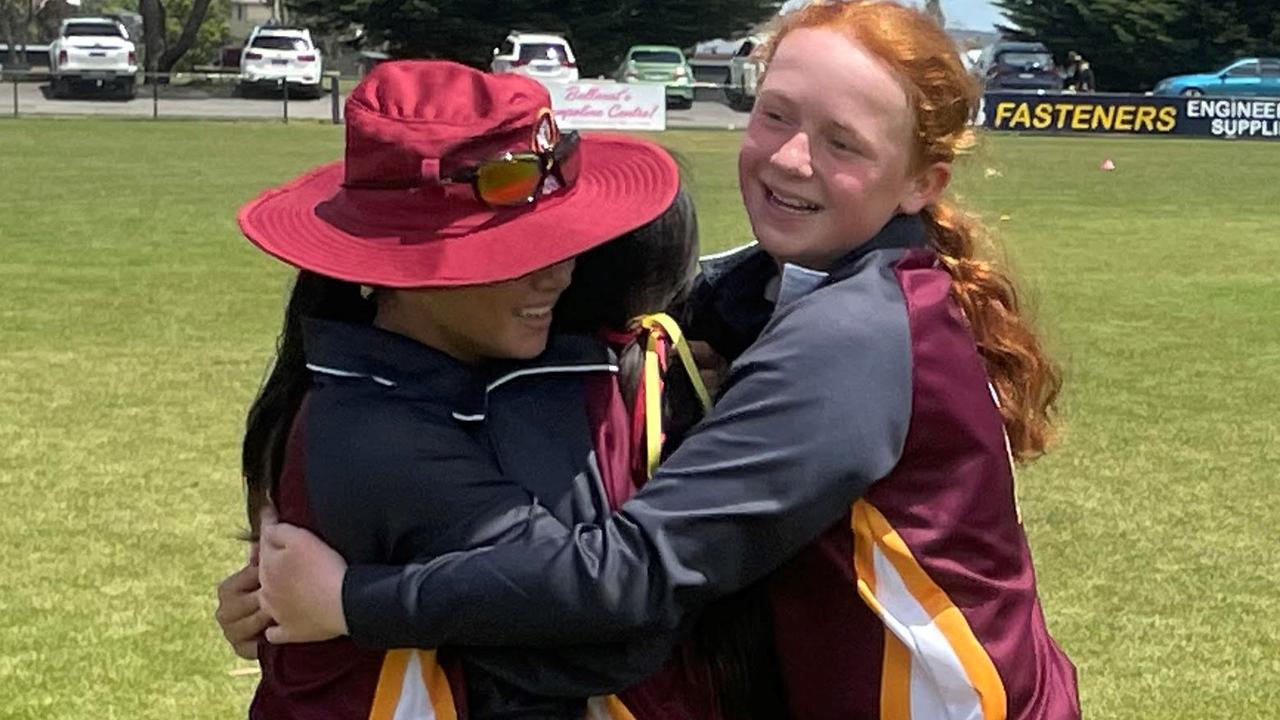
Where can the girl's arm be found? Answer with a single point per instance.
(394, 481)
(810, 417)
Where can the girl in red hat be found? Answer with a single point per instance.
(858, 463)
(395, 421)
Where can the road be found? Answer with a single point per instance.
(218, 102)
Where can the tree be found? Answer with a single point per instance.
(10, 17)
(1132, 44)
(468, 30)
(20, 23)
(174, 28)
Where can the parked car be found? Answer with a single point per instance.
(275, 56)
(542, 56)
(1247, 77)
(745, 70)
(93, 52)
(659, 65)
(1008, 65)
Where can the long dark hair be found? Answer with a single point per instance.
(650, 270)
(644, 271)
(273, 410)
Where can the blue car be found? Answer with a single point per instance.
(1248, 77)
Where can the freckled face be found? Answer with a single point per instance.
(826, 160)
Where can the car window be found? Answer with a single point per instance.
(507, 48)
(92, 30)
(747, 47)
(1026, 59)
(542, 51)
(1248, 69)
(657, 56)
(277, 42)
(1271, 68)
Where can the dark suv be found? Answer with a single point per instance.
(1008, 65)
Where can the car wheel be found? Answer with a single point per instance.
(128, 90)
(1193, 92)
(61, 88)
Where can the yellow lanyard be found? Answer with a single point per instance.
(653, 380)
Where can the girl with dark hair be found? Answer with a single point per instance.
(393, 421)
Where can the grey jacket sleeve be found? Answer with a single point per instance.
(814, 413)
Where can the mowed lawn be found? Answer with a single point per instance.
(135, 325)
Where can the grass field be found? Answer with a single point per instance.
(135, 325)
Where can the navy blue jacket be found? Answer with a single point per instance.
(394, 458)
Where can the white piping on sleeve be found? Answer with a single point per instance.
(727, 253)
(548, 370)
(348, 374)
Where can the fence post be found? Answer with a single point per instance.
(335, 103)
(14, 78)
(284, 83)
(155, 95)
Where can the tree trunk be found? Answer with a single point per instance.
(153, 33)
(6, 31)
(190, 28)
(934, 8)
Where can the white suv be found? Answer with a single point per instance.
(544, 57)
(276, 55)
(92, 51)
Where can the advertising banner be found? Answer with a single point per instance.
(609, 106)
(1245, 118)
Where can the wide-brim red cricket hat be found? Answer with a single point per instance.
(383, 216)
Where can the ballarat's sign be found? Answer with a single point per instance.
(1133, 114)
(609, 106)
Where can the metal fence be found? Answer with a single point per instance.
(173, 95)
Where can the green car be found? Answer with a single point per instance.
(664, 64)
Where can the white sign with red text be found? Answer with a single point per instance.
(609, 106)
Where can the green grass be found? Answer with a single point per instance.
(135, 325)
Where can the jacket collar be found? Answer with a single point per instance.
(903, 232)
(395, 361)
(362, 351)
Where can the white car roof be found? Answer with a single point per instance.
(537, 38)
(92, 20)
(285, 32)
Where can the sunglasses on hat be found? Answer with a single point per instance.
(515, 179)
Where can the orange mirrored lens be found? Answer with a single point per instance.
(511, 182)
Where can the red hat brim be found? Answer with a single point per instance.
(623, 184)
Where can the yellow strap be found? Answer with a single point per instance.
(653, 381)
(673, 330)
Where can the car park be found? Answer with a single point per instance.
(1008, 65)
(1247, 77)
(659, 65)
(546, 57)
(274, 57)
(93, 52)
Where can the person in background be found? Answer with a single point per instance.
(1078, 74)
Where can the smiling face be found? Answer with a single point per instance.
(827, 158)
(507, 320)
